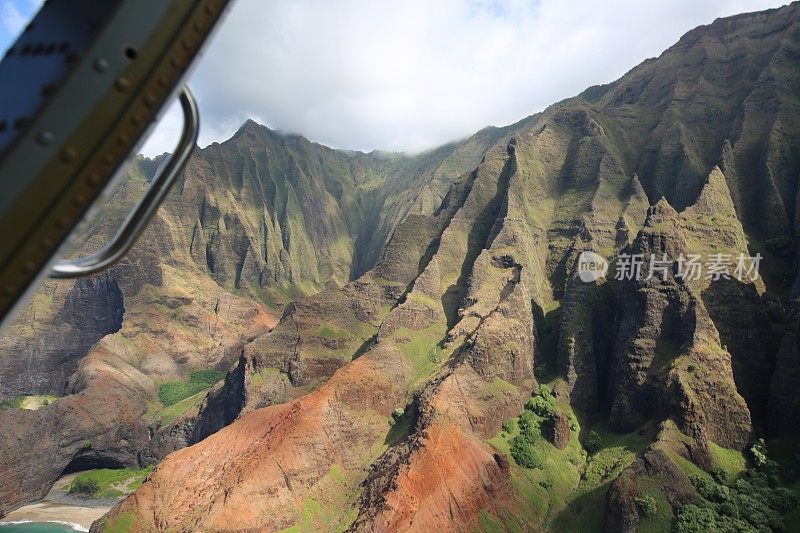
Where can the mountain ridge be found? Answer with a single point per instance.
(660, 162)
(459, 375)
(215, 268)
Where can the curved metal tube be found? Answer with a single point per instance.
(138, 219)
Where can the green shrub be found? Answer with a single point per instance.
(756, 479)
(573, 423)
(547, 395)
(755, 502)
(720, 475)
(508, 426)
(84, 486)
(529, 425)
(543, 403)
(524, 453)
(647, 505)
(546, 484)
(593, 442)
(709, 489)
(729, 508)
(397, 414)
(783, 500)
(756, 511)
(11, 403)
(696, 519)
(759, 452)
(540, 406)
(434, 354)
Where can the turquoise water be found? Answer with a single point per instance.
(36, 527)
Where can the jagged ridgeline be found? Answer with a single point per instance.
(254, 222)
(453, 372)
(284, 217)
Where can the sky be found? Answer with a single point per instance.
(410, 75)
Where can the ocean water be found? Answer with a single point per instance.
(39, 527)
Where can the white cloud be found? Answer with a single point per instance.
(14, 16)
(10, 17)
(410, 75)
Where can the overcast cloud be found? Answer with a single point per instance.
(409, 75)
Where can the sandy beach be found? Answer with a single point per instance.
(57, 512)
(59, 506)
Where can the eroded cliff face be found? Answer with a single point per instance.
(476, 301)
(285, 217)
(42, 361)
(434, 295)
(103, 345)
(253, 223)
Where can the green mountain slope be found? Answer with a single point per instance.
(433, 298)
(254, 222)
(412, 398)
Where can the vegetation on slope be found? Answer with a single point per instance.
(583, 508)
(644, 365)
(543, 476)
(31, 402)
(754, 500)
(107, 483)
(173, 392)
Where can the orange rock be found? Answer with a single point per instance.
(446, 483)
